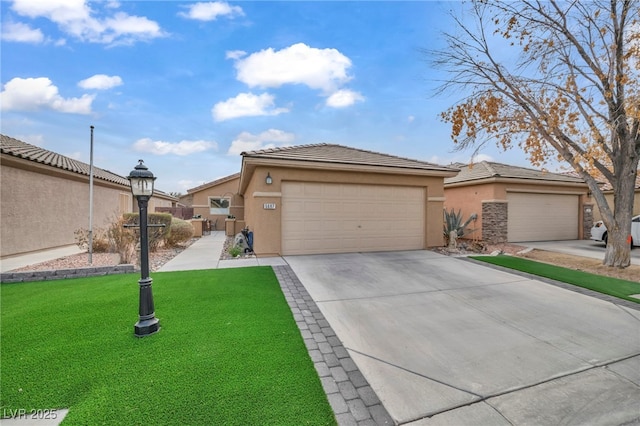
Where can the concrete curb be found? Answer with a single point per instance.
(61, 274)
(351, 397)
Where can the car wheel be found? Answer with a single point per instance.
(605, 238)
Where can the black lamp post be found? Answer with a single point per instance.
(141, 180)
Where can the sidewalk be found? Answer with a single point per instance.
(205, 254)
(15, 262)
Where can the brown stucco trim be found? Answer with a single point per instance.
(516, 181)
(534, 191)
(249, 166)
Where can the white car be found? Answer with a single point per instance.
(599, 231)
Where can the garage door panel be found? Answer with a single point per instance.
(338, 218)
(542, 217)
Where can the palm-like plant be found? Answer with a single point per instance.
(454, 226)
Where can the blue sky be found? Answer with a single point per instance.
(187, 86)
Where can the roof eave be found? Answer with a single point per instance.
(501, 179)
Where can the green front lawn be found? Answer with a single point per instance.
(228, 353)
(611, 286)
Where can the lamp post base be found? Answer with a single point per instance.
(146, 327)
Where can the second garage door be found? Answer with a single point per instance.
(342, 218)
(542, 217)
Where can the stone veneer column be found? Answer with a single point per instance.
(494, 221)
(587, 220)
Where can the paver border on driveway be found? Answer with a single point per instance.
(351, 397)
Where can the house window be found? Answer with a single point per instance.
(218, 205)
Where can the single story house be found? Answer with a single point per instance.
(327, 198)
(45, 198)
(216, 200)
(517, 204)
(608, 193)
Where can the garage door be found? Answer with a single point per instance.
(342, 218)
(542, 217)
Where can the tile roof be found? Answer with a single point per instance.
(213, 183)
(17, 148)
(339, 154)
(486, 169)
(607, 186)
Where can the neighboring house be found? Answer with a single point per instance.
(326, 198)
(517, 204)
(608, 193)
(45, 198)
(216, 200)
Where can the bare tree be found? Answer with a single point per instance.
(571, 93)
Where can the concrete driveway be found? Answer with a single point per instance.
(445, 341)
(584, 248)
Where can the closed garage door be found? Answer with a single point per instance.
(542, 217)
(342, 218)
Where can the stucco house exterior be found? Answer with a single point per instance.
(44, 198)
(608, 193)
(327, 198)
(216, 200)
(517, 204)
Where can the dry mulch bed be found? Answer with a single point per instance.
(81, 260)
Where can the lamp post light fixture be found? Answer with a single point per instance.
(268, 180)
(141, 180)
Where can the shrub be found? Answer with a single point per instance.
(123, 240)
(115, 239)
(180, 232)
(100, 240)
(157, 235)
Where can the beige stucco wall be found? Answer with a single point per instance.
(266, 224)
(41, 207)
(228, 189)
(609, 197)
(469, 198)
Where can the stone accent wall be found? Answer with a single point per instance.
(61, 274)
(494, 221)
(587, 220)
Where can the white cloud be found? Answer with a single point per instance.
(101, 82)
(344, 98)
(211, 11)
(77, 19)
(235, 54)
(246, 105)
(22, 33)
(180, 148)
(31, 94)
(271, 138)
(411, 118)
(323, 69)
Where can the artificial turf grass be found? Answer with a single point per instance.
(622, 289)
(228, 352)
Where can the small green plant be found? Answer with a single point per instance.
(235, 251)
(455, 227)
